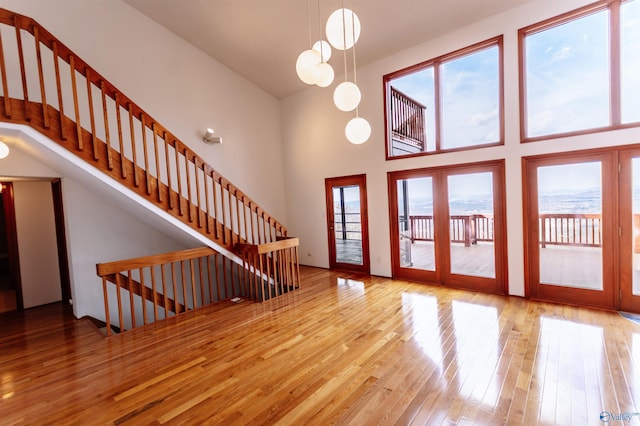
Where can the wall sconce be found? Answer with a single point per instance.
(4, 150)
(208, 137)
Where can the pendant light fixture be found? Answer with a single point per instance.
(358, 129)
(312, 66)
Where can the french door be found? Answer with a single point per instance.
(630, 230)
(572, 228)
(347, 225)
(447, 226)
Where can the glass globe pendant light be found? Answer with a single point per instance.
(343, 21)
(358, 130)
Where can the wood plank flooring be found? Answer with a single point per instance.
(344, 349)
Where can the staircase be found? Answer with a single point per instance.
(49, 88)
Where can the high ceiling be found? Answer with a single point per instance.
(261, 39)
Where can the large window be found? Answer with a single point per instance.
(580, 71)
(449, 103)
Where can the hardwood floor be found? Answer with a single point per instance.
(343, 350)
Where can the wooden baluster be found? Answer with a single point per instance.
(253, 229)
(260, 279)
(43, 95)
(175, 287)
(136, 180)
(5, 87)
(265, 281)
(207, 216)
(178, 178)
(145, 151)
(76, 106)
(201, 281)
(215, 204)
(225, 278)
(143, 289)
(188, 172)
(297, 258)
(23, 70)
(198, 201)
(257, 276)
(155, 293)
(238, 204)
(123, 170)
(105, 114)
(281, 272)
(224, 214)
(166, 158)
(157, 157)
(164, 291)
(244, 219)
(209, 280)
(193, 284)
(215, 264)
(107, 314)
(264, 228)
(131, 300)
(119, 298)
(184, 286)
(56, 64)
(94, 139)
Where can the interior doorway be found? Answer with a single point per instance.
(10, 289)
(347, 224)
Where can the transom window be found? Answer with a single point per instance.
(448, 103)
(580, 71)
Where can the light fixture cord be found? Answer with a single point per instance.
(344, 40)
(353, 29)
(309, 21)
(320, 32)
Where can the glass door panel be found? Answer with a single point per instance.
(629, 206)
(415, 223)
(570, 225)
(347, 229)
(472, 249)
(572, 228)
(635, 225)
(347, 224)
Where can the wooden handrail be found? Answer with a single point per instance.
(154, 260)
(110, 131)
(191, 279)
(275, 267)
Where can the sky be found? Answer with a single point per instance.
(567, 82)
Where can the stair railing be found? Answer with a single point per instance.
(48, 87)
(152, 288)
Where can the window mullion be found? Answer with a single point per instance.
(437, 103)
(615, 67)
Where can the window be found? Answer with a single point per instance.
(630, 60)
(449, 103)
(579, 73)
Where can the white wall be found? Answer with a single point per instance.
(315, 130)
(99, 232)
(179, 85)
(37, 246)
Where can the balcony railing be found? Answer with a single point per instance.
(467, 229)
(408, 123)
(566, 229)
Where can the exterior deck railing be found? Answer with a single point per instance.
(566, 229)
(407, 119)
